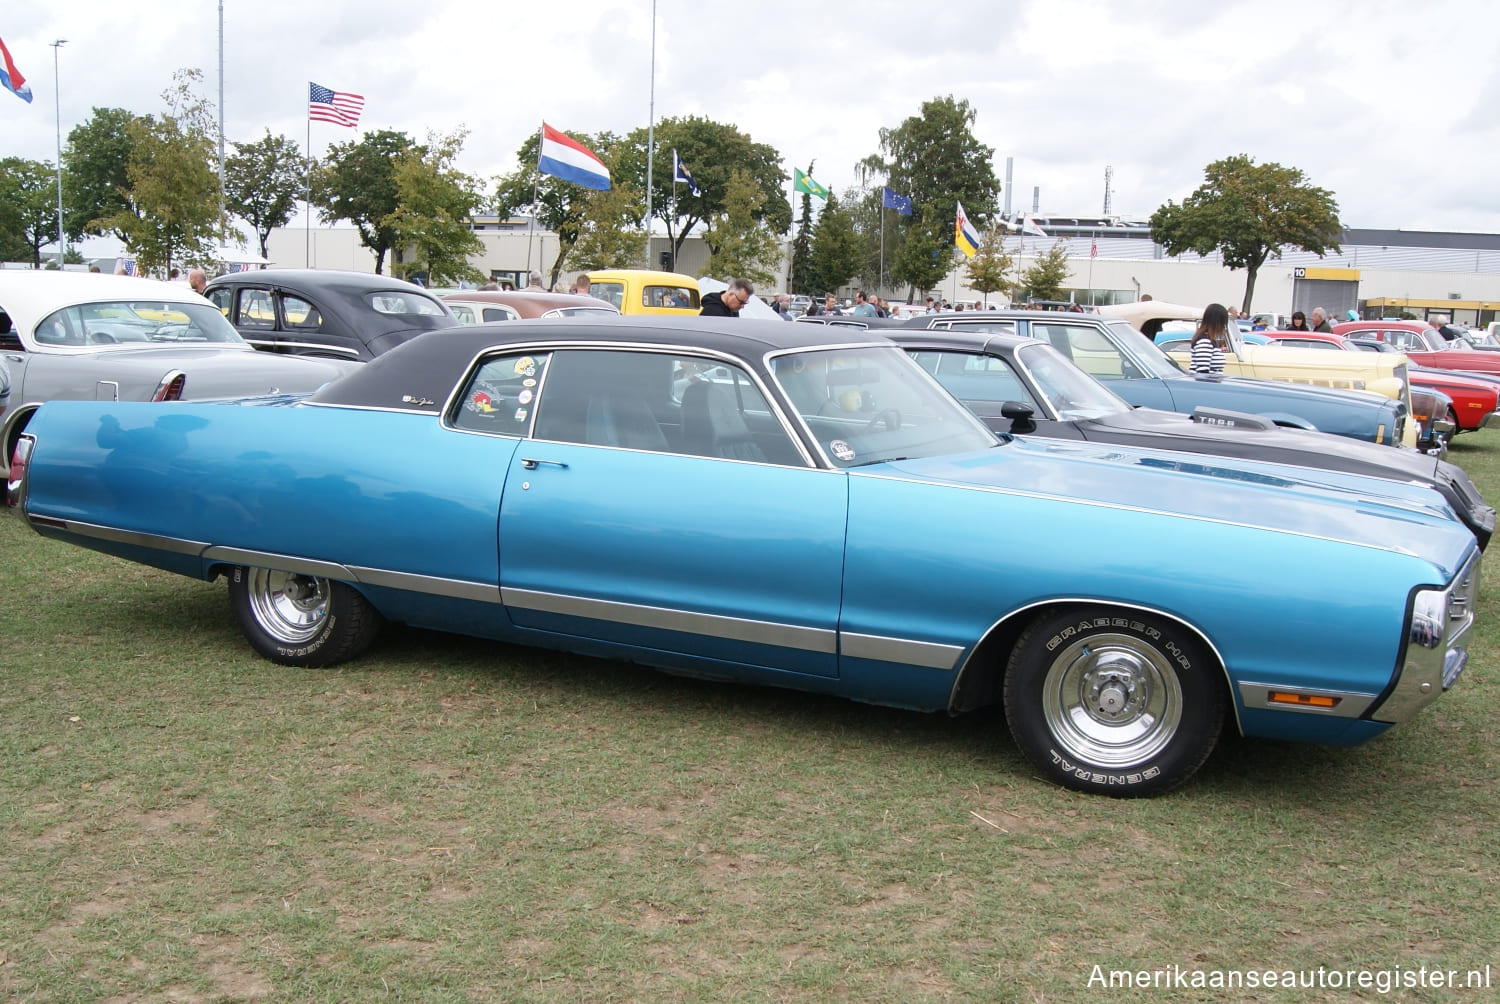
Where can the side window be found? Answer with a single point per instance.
(300, 314)
(1089, 349)
(256, 309)
(222, 298)
(610, 292)
(501, 396)
(500, 313)
(669, 296)
(663, 403)
(972, 377)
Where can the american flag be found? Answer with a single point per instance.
(338, 107)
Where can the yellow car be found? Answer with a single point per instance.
(641, 291)
(1375, 372)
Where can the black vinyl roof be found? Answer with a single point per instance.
(421, 373)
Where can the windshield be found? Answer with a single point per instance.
(1071, 392)
(874, 404)
(122, 322)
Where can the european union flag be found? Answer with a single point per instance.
(891, 199)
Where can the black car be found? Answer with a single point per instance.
(1022, 385)
(321, 312)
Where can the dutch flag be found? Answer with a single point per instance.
(566, 158)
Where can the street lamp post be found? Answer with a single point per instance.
(57, 104)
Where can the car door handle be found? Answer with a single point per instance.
(531, 464)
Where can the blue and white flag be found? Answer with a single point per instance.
(680, 173)
(891, 199)
(566, 158)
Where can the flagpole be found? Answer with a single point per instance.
(307, 191)
(651, 140)
(535, 186)
(882, 244)
(674, 214)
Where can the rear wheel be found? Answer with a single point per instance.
(300, 620)
(1114, 702)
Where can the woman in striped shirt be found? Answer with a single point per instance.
(1210, 339)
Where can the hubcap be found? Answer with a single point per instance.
(1112, 700)
(291, 608)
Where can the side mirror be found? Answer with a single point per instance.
(1020, 416)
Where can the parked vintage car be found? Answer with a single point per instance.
(1472, 402)
(1133, 367)
(1421, 343)
(821, 516)
(481, 306)
(643, 291)
(325, 312)
(1024, 386)
(113, 337)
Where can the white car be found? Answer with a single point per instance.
(86, 337)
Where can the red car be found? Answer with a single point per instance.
(1423, 345)
(1475, 398)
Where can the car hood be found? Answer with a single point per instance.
(1278, 445)
(1387, 515)
(228, 371)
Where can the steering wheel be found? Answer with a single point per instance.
(890, 416)
(102, 338)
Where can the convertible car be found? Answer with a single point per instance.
(785, 504)
(1023, 385)
(1111, 351)
(80, 335)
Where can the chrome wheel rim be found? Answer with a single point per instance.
(1112, 701)
(290, 608)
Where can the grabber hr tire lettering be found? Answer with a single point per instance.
(300, 620)
(1113, 701)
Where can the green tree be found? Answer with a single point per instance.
(1249, 212)
(609, 230)
(991, 267)
(28, 208)
(174, 189)
(1048, 272)
(96, 162)
(357, 182)
(925, 253)
(935, 159)
(837, 254)
(712, 151)
(802, 247)
(561, 206)
(434, 213)
(743, 246)
(263, 181)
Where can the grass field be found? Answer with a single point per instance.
(453, 820)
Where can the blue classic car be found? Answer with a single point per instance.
(1110, 350)
(784, 504)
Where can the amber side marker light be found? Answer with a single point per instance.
(1303, 700)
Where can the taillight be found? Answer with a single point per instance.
(170, 388)
(18, 461)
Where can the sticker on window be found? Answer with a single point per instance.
(841, 450)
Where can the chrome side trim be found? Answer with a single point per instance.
(1351, 704)
(280, 562)
(172, 545)
(319, 346)
(305, 403)
(432, 585)
(929, 655)
(806, 639)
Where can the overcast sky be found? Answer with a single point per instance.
(1392, 106)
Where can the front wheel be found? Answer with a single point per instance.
(1113, 702)
(300, 620)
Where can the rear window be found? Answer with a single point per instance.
(124, 322)
(402, 302)
(670, 296)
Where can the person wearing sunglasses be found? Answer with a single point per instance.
(729, 302)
